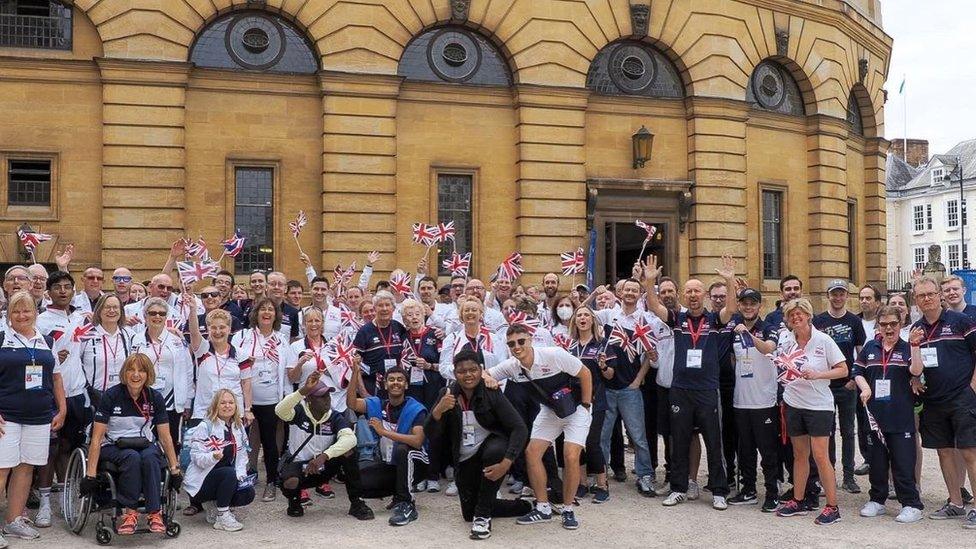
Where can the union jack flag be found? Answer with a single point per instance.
(234, 245)
(518, 317)
(484, 339)
(83, 333)
(445, 231)
(31, 239)
(342, 277)
(408, 357)
(651, 229)
(875, 427)
(511, 268)
(299, 223)
(193, 271)
(458, 264)
(643, 337)
(270, 349)
(562, 341)
(341, 351)
(789, 365)
(425, 234)
(348, 317)
(573, 262)
(619, 337)
(215, 444)
(198, 249)
(400, 282)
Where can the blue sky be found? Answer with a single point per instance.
(935, 49)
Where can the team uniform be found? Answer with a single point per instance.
(335, 375)
(27, 368)
(381, 349)
(215, 372)
(102, 356)
(174, 372)
(60, 326)
(810, 402)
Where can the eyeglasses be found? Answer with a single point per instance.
(121, 278)
(892, 324)
(164, 287)
(520, 342)
(94, 277)
(17, 278)
(35, 278)
(62, 287)
(926, 295)
(156, 313)
(207, 295)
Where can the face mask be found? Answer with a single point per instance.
(564, 312)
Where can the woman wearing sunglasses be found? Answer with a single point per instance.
(211, 298)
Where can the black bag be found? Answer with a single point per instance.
(561, 402)
(132, 443)
(287, 458)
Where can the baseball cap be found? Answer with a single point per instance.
(321, 389)
(582, 288)
(837, 284)
(750, 293)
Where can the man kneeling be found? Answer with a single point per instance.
(321, 442)
(486, 434)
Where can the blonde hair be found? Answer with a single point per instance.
(212, 414)
(313, 310)
(801, 303)
(410, 303)
(142, 362)
(595, 328)
(218, 314)
(19, 297)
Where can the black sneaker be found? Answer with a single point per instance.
(620, 476)
(862, 469)
(581, 492)
(534, 516)
(967, 498)
(769, 505)
(810, 504)
(295, 508)
(851, 486)
(829, 515)
(404, 513)
(744, 498)
(361, 511)
(601, 495)
(791, 508)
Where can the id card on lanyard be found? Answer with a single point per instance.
(930, 355)
(158, 352)
(467, 422)
(33, 372)
(107, 377)
(694, 356)
(882, 387)
(388, 362)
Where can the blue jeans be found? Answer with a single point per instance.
(629, 404)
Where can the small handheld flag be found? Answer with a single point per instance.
(458, 264)
(298, 224)
(31, 239)
(191, 271)
(651, 231)
(234, 245)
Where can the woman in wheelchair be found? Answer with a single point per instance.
(123, 439)
(218, 464)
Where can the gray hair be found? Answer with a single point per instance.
(155, 302)
(381, 295)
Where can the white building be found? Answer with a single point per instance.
(924, 209)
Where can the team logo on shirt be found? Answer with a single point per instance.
(819, 351)
(870, 356)
(896, 356)
(947, 330)
(117, 410)
(675, 408)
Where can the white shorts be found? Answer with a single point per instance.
(548, 426)
(24, 444)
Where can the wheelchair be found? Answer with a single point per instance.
(103, 502)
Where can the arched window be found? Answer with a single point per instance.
(454, 54)
(772, 88)
(633, 68)
(255, 41)
(854, 115)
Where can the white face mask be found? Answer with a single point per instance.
(564, 312)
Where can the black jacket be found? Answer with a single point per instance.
(492, 410)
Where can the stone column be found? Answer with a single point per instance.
(551, 187)
(827, 205)
(717, 166)
(875, 223)
(358, 168)
(143, 162)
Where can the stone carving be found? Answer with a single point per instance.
(459, 9)
(862, 70)
(782, 42)
(640, 17)
(935, 268)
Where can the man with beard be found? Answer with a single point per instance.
(550, 287)
(224, 282)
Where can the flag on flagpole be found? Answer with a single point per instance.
(400, 282)
(511, 268)
(573, 262)
(31, 239)
(425, 234)
(198, 249)
(445, 231)
(234, 245)
(651, 229)
(458, 264)
(191, 271)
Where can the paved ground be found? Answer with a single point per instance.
(628, 520)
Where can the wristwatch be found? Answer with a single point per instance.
(587, 405)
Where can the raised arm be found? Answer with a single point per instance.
(176, 251)
(357, 404)
(196, 338)
(732, 303)
(649, 274)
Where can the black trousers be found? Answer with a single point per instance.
(663, 424)
(701, 409)
(863, 442)
(649, 394)
(478, 495)
(593, 457)
(730, 444)
(267, 423)
(617, 447)
(899, 456)
(220, 487)
(348, 464)
(393, 479)
(758, 431)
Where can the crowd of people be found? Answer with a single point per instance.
(502, 387)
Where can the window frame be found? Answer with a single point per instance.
(937, 179)
(918, 218)
(916, 264)
(928, 216)
(952, 209)
(950, 266)
(434, 210)
(782, 190)
(19, 212)
(230, 205)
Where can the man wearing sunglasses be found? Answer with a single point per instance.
(552, 374)
(160, 286)
(85, 300)
(122, 278)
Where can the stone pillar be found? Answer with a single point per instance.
(551, 187)
(827, 204)
(717, 166)
(143, 162)
(875, 223)
(358, 168)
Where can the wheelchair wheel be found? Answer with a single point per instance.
(103, 534)
(74, 506)
(173, 529)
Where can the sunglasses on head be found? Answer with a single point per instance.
(122, 278)
(519, 342)
(206, 295)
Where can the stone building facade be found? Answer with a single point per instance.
(515, 117)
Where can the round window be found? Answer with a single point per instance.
(454, 54)
(632, 67)
(255, 40)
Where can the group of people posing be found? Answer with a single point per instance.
(392, 390)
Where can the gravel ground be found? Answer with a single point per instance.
(628, 520)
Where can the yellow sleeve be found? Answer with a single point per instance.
(345, 441)
(286, 408)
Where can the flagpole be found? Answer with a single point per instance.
(905, 114)
(300, 251)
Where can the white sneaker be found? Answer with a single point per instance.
(694, 492)
(3, 543)
(18, 528)
(719, 503)
(227, 522)
(673, 499)
(527, 492)
(211, 516)
(451, 489)
(43, 517)
(909, 515)
(420, 487)
(873, 509)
